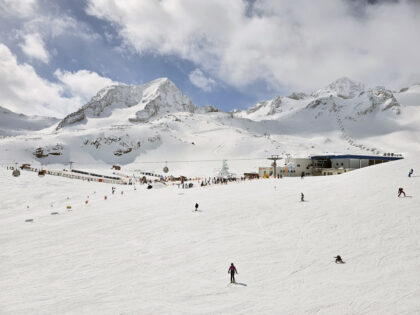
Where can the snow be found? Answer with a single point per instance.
(147, 252)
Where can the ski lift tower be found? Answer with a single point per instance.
(274, 158)
(70, 165)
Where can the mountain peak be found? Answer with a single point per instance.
(343, 80)
(342, 87)
(153, 99)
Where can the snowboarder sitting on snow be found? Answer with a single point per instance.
(196, 206)
(301, 197)
(410, 173)
(338, 260)
(232, 270)
(400, 191)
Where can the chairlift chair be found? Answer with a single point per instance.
(166, 169)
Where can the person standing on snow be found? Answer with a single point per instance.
(338, 260)
(400, 191)
(196, 207)
(410, 173)
(232, 270)
(302, 197)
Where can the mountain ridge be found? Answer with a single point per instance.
(126, 124)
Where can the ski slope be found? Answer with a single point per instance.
(147, 252)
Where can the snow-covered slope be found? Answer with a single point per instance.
(147, 252)
(363, 117)
(12, 124)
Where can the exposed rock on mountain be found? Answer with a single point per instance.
(145, 102)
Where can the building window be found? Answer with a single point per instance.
(298, 165)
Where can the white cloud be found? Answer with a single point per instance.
(32, 24)
(83, 83)
(294, 44)
(198, 78)
(23, 90)
(34, 47)
(21, 8)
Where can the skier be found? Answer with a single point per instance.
(400, 191)
(301, 197)
(338, 260)
(232, 270)
(196, 207)
(410, 173)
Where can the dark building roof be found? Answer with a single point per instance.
(358, 157)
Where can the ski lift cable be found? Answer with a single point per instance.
(194, 161)
(181, 161)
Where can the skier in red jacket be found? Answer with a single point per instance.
(232, 270)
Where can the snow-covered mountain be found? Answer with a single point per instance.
(349, 98)
(156, 122)
(137, 103)
(342, 87)
(12, 124)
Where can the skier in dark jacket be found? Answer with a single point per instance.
(410, 173)
(232, 270)
(338, 260)
(196, 207)
(302, 197)
(400, 191)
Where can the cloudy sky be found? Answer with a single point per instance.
(55, 55)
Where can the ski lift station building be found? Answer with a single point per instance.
(321, 165)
